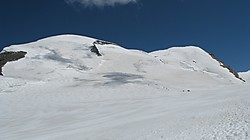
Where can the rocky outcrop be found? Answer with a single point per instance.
(95, 50)
(10, 56)
(101, 42)
(227, 67)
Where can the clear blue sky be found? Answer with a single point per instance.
(221, 27)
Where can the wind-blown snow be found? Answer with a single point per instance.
(62, 90)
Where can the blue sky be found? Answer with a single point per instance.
(221, 27)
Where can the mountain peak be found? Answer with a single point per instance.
(70, 56)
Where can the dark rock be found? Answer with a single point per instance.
(95, 50)
(101, 42)
(227, 67)
(6, 57)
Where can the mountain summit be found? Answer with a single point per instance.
(72, 56)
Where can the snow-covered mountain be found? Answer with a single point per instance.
(75, 87)
(70, 56)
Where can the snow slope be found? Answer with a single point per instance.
(61, 90)
(245, 75)
(69, 56)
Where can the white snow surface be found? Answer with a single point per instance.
(245, 75)
(61, 90)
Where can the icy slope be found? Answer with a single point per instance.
(70, 57)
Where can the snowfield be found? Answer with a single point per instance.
(61, 90)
